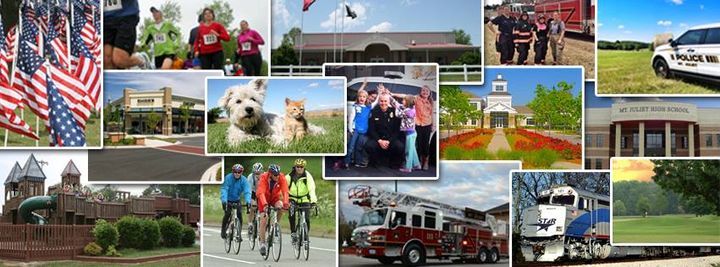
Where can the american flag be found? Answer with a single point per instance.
(29, 28)
(55, 48)
(64, 130)
(10, 98)
(4, 70)
(10, 40)
(82, 24)
(30, 79)
(87, 70)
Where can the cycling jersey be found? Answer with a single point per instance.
(302, 187)
(269, 192)
(232, 188)
(165, 36)
(253, 181)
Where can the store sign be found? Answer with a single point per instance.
(634, 111)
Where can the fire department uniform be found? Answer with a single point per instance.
(523, 38)
(505, 25)
(385, 125)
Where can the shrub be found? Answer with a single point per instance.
(543, 158)
(92, 249)
(151, 234)
(509, 155)
(188, 236)
(170, 231)
(112, 252)
(480, 154)
(130, 230)
(105, 234)
(454, 153)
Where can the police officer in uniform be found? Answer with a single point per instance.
(504, 34)
(384, 139)
(523, 38)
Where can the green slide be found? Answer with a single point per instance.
(36, 203)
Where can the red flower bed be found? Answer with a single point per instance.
(538, 142)
(460, 139)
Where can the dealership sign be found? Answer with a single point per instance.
(655, 110)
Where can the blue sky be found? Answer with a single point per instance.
(475, 185)
(319, 93)
(380, 15)
(642, 20)
(522, 81)
(185, 83)
(592, 101)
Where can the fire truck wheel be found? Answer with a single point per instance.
(386, 261)
(494, 256)
(483, 255)
(413, 255)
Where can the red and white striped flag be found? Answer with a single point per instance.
(10, 40)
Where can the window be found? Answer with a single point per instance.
(588, 140)
(600, 140)
(544, 200)
(398, 218)
(588, 164)
(623, 142)
(708, 140)
(430, 220)
(713, 36)
(654, 140)
(530, 122)
(691, 37)
(499, 88)
(373, 217)
(636, 140)
(684, 142)
(603, 202)
(598, 164)
(581, 203)
(717, 137)
(416, 221)
(673, 142)
(564, 200)
(446, 226)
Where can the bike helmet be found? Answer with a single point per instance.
(238, 168)
(257, 167)
(300, 162)
(274, 169)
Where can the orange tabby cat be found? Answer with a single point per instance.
(295, 124)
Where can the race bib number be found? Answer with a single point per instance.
(160, 38)
(112, 5)
(210, 39)
(246, 46)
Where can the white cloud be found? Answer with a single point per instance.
(279, 10)
(621, 27)
(677, 2)
(627, 32)
(336, 84)
(599, 24)
(340, 12)
(381, 27)
(313, 85)
(664, 23)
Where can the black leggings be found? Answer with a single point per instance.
(226, 217)
(251, 64)
(423, 140)
(293, 217)
(212, 61)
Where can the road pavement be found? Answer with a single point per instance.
(355, 261)
(323, 252)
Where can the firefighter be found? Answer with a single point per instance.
(540, 35)
(523, 38)
(504, 34)
(557, 36)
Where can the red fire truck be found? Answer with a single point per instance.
(578, 15)
(397, 226)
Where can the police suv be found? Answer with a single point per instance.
(695, 54)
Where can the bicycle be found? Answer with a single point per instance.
(273, 234)
(232, 234)
(252, 229)
(302, 246)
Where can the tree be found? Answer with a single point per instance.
(456, 108)
(223, 12)
(697, 178)
(643, 205)
(109, 193)
(189, 191)
(213, 114)
(185, 112)
(171, 11)
(469, 58)
(619, 208)
(557, 106)
(461, 37)
(152, 121)
(285, 53)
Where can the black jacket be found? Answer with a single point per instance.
(383, 125)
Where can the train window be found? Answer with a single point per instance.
(430, 220)
(544, 200)
(604, 202)
(564, 200)
(581, 203)
(416, 221)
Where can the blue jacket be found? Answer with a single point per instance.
(360, 115)
(231, 189)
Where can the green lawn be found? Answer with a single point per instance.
(322, 225)
(331, 142)
(92, 132)
(630, 72)
(191, 261)
(134, 253)
(460, 78)
(666, 229)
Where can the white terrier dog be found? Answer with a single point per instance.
(248, 121)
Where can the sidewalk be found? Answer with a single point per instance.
(575, 139)
(498, 142)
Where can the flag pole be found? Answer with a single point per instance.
(335, 33)
(3, 36)
(342, 34)
(302, 31)
(68, 34)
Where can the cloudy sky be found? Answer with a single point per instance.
(318, 93)
(254, 11)
(642, 20)
(476, 185)
(186, 83)
(522, 82)
(380, 16)
(56, 162)
(632, 170)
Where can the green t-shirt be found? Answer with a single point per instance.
(165, 37)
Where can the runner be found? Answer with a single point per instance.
(207, 46)
(165, 37)
(119, 34)
(302, 191)
(272, 189)
(248, 41)
(234, 184)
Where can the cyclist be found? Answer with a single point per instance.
(253, 178)
(165, 37)
(302, 191)
(272, 189)
(235, 183)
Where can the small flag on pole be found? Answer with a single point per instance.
(350, 12)
(307, 4)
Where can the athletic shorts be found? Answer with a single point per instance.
(159, 60)
(121, 32)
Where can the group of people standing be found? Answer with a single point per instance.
(386, 130)
(205, 50)
(520, 34)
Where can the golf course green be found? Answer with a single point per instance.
(684, 228)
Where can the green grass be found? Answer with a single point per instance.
(322, 225)
(460, 78)
(92, 132)
(134, 253)
(191, 261)
(331, 142)
(666, 229)
(630, 72)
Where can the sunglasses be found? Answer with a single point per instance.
(238, 172)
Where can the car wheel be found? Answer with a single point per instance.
(662, 69)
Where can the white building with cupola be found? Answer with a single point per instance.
(497, 109)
